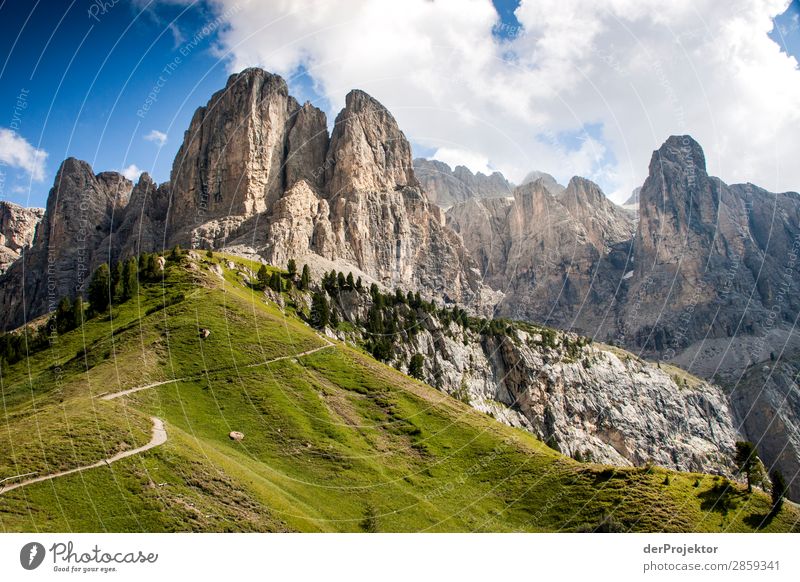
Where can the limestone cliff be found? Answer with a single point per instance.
(17, 227)
(82, 210)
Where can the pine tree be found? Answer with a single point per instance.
(320, 310)
(77, 312)
(99, 289)
(291, 266)
(747, 461)
(275, 283)
(341, 281)
(130, 279)
(62, 316)
(334, 318)
(359, 285)
(779, 490)
(148, 267)
(351, 284)
(415, 366)
(305, 278)
(263, 277)
(116, 283)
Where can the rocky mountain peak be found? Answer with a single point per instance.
(231, 164)
(549, 181)
(367, 152)
(446, 187)
(605, 222)
(682, 151)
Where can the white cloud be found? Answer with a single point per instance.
(640, 69)
(15, 151)
(132, 172)
(156, 136)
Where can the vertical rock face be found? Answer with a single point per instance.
(606, 224)
(484, 227)
(380, 218)
(711, 260)
(557, 257)
(368, 152)
(80, 214)
(231, 164)
(307, 148)
(767, 403)
(445, 187)
(142, 228)
(17, 227)
(365, 208)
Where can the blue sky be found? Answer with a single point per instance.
(76, 76)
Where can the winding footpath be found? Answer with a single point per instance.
(159, 433)
(159, 437)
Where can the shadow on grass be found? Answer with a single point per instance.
(721, 498)
(760, 520)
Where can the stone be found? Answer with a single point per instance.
(235, 435)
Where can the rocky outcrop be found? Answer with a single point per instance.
(605, 223)
(445, 187)
(711, 260)
(235, 160)
(298, 224)
(587, 400)
(17, 227)
(82, 210)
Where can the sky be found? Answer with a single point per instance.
(571, 88)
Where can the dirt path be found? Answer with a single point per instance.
(114, 395)
(159, 433)
(159, 437)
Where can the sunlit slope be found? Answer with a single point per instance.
(333, 440)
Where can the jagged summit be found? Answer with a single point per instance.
(445, 186)
(367, 149)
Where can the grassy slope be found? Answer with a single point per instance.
(327, 436)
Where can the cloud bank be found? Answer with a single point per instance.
(586, 87)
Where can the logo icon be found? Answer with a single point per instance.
(31, 555)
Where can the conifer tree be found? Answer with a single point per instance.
(320, 310)
(99, 289)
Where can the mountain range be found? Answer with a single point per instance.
(704, 276)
